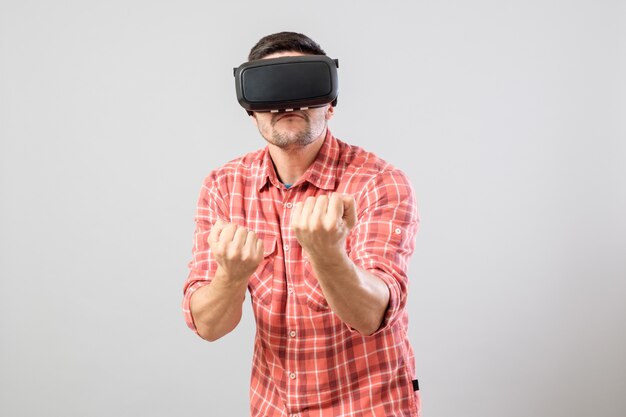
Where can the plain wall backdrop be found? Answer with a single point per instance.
(508, 117)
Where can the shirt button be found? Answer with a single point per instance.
(292, 375)
(398, 231)
(286, 247)
(290, 290)
(289, 205)
(292, 333)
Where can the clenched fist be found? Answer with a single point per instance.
(237, 250)
(321, 224)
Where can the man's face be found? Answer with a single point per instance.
(295, 129)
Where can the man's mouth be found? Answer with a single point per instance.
(288, 115)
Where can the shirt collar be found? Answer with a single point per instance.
(322, 173)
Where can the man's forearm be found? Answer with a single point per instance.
(359, 298)
(216, 308)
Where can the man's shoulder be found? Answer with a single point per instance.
(366, 170)
(243, 170)
(242, 165)
(357, 159)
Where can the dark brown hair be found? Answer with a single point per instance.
(284, 41)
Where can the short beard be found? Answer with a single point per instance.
(291, 140)
(296, 139)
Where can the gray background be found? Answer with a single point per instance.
(508, 117)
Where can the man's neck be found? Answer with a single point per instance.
(292, 163)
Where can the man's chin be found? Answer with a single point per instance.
(294, 133)
(290, 139)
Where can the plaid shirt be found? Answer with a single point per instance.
(306, 361)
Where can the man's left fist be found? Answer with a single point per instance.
(321, 224)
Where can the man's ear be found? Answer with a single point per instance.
(254, 120)
(330, 112)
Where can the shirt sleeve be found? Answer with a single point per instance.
(383, 239)
(203, 266)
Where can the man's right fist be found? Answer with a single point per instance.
(237, 250)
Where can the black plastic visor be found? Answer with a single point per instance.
(287, 83)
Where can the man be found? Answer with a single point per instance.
(320, 232)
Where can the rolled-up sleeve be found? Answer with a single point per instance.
(202, 266)
(383, 239)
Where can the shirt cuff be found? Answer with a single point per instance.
(194, 284)
(396, 287)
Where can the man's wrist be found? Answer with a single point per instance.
(329, 260)
(230, 280)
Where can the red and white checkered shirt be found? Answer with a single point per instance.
(307, 362)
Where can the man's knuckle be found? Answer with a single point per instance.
(232, 253)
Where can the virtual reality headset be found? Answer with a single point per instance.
(287, 83)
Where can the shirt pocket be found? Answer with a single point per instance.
(312, 293)
(261, 282)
